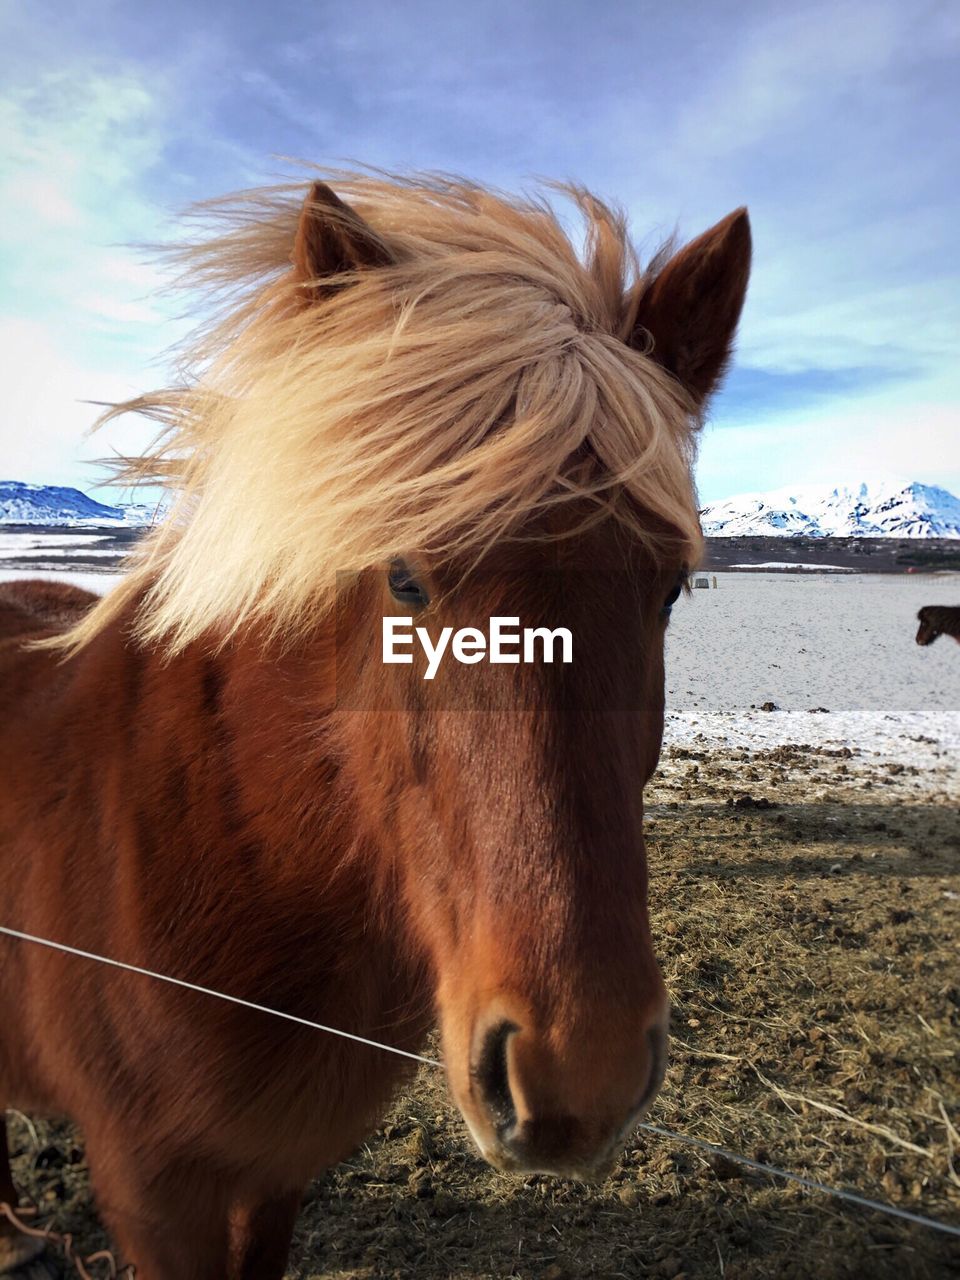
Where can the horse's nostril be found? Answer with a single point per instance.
(492, 1076)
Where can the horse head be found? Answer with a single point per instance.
(507, 796)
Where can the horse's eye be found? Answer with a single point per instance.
(674, 595)
(405, 588)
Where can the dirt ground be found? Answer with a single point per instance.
(806, 907)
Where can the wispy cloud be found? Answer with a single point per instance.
(76, 309)
(77, 149)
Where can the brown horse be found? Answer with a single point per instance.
(423, 404)
(938, 620)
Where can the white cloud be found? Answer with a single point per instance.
(832, 327)
(851, 438)
(75, 151)
(45, 411)
(77, 319)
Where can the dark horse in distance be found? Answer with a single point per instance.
(938, 620)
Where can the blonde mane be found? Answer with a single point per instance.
(432, 406)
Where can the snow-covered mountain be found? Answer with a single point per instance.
(885, 508)
(890, 507)
(22, 503)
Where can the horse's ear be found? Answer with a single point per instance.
(332, 238)
(691, 307)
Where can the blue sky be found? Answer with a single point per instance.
(835, 123)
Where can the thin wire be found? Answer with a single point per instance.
(878, 1206)
(220, 995)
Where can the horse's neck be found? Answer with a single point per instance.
(221, 808)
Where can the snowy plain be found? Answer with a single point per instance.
(836, 656)
(19, 543)
(97, 582)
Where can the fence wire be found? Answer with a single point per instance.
(785, 1175)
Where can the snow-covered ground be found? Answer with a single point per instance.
(62, 552)
(836, 655)
(17, 544)
(795, 564)
(98, 582)
(83, 548)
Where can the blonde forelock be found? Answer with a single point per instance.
(434, 405)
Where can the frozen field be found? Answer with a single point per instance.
(98, 582)
(836, 655)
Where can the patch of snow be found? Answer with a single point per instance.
(57, 554)
(926, 738)
(17, 543)
(790, 564)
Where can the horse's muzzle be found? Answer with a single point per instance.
(538, 1107)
